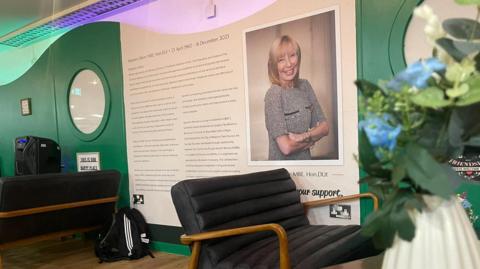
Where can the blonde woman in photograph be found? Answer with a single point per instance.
(293, 115)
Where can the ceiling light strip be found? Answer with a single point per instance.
(75, 18)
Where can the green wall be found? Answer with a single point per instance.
(40, 123)
(381, 27)
(47, 83)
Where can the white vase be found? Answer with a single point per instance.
(444, 238)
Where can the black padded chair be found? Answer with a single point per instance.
(257, 221)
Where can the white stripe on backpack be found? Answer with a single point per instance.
(128, 234)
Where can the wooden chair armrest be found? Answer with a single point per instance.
(49, 208)
(323, 202)
(197, 238)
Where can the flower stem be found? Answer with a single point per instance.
(406, 115)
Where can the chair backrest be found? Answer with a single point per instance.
(20, 192)
(235, 201)
(33, 191)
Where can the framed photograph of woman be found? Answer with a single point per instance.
(293, 91)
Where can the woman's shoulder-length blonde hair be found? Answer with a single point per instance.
(275, 52)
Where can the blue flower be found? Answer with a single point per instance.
(466, 204)
(380, 132)
(417, 74)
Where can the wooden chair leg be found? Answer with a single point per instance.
(193, 264)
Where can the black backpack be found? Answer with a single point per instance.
(126, 237)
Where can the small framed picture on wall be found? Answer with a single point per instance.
(26, 106)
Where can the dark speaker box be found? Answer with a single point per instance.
(36, 155)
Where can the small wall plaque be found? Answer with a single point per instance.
(88, 161)
(26, 106)
(341, 211)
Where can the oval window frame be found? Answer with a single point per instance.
(87, 65)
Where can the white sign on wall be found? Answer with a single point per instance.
(88, 161)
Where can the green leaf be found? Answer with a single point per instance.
(463, 124)
(467, 47)
(468, 2)
(462, 28)
(458, 49)
(458, 91)
(452, 175)
(399, 171)
(415, 204)
(469, 98)
(430, 97)
(457, 125)
(378, 225)
(366, 151)
(380, 191)
(473, 95)
(477, 61)
(393, 219)
(374, 222)
(426, 172)
(433, 135)
(385, 236)
(448, 45)
(367, 88)
(474, 128)
(403, 222)
(459, 72)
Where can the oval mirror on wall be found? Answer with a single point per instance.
(416, 45)
(86, 101)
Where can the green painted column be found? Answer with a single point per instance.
(95, 46)
(381, 28)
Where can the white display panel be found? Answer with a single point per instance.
(191, 99)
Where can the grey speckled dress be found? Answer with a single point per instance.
(292, 110)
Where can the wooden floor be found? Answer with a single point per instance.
(78, 254)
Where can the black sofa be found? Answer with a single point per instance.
(256, 221)
(38, 207)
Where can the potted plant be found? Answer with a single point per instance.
(410, 127)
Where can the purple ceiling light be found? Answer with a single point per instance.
(90, 13)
